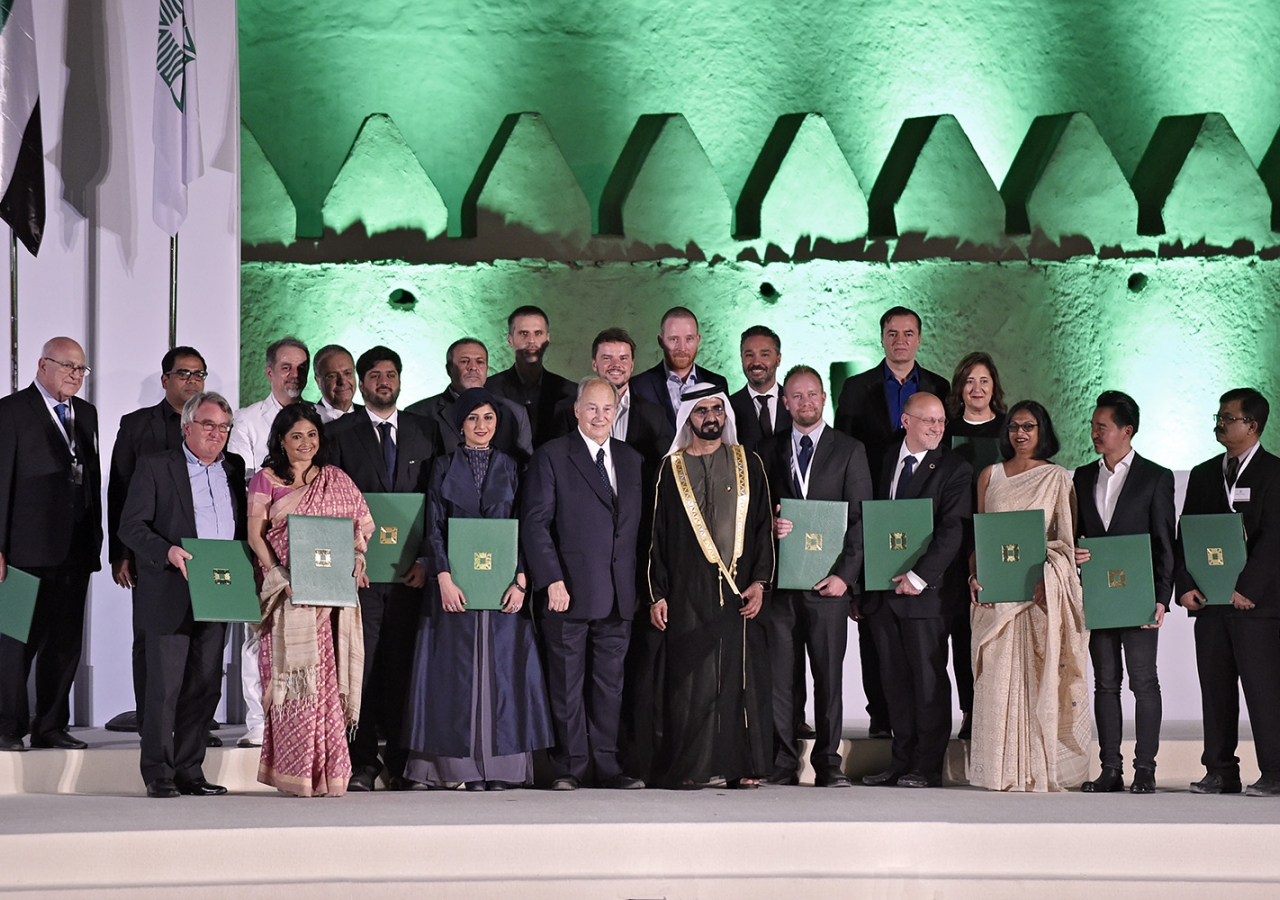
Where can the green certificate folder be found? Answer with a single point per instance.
(978, 452)
(1010, 553)
(808, 553)
(220, 576)
(895, 534)
(17, 603)
(397, 535)
(1119, 584)
(322, 561)
(482, 559)
(1213, 546)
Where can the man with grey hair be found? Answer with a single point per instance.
(579, 524)
(194, 491)
(50, 527)
(336, 378)
(287, 363)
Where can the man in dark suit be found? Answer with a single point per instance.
(50, 527)
(679, 337)
(1238, 646)
(142, 432)
(579, 522)
(758, 409)
(467, 363)
(1126, 494)
(194, 491)
(909, 624)
(384, 450)
(870, 409)
(527, 382)
(336, 378)
(814, 462)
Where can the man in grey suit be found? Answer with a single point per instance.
(195, 491)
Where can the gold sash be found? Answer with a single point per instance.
(699, 525)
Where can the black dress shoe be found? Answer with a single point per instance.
(57, 740)
(475, 787)
(832, 780)
(497, 786)
(1144, 781)
(888, 778)
(622, 782)
(1111, 780)
(565, 783)
(162, 789)
(212, 740)
(920, 780)
(200, 788)
(966, 728)
(781, 776)
(879, 730)
(12, 744)
(1264, 787)
(1215, 783)
(400, 783)
(361, 782)
(804, 732)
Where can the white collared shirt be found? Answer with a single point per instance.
(593, 449)
(1107, 491)
(624, 414)
(252, 428)
(802, 479)
(68, 433)
(377, 420)
(329, 413)
(1245, 458)
(772, 394)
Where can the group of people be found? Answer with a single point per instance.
(642, 640)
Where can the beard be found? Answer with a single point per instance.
(710, 430)
(376, 402)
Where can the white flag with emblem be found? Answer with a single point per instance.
(176, 127)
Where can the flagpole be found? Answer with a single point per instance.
(13, 310)
(173, 295)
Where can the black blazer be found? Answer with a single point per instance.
(158, 513)
(947, 480)
(1206, 493)
(142, 432)
(838, 471)
(356, 450)
(863, 410)
(512, 437)
(37, 495)
(647, 428)
(552, 389)
(1145, 506)
(573, 530)
(651, 384)
(746, 414)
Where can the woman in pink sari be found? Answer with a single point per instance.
(311, 658)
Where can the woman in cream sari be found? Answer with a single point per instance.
(311, 658)
(1031, 700)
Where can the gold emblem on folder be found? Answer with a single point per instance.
(484, 562)
(388, 534)
(221, 576)
(1115, 578)
(1215, 556)
(897, 540)
(812, 541)
(324, 559)
(1009, 553)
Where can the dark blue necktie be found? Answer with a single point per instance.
(388, 452)
(908, 466)
(61, 410)
(806, 454)
(604, 472)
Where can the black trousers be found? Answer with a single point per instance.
(797, 621)
(54, 644)
(182, 689)
(584, 659)
(1139, 646)
(913, 665)
(1234, 652)
(389, 616)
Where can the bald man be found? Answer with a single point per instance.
(50, 527)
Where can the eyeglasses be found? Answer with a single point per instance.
(929, 423)
(1221, 419)
(71, 367)
(187, 374)
(209, 427)
(704, 411)
(1024, 427)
